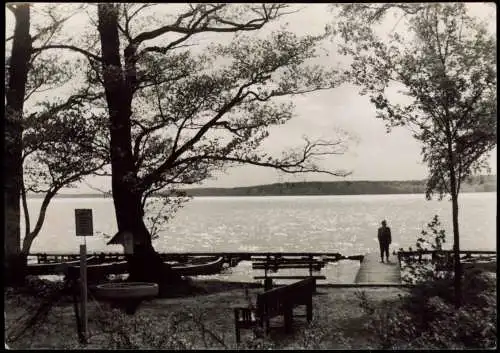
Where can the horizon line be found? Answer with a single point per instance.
(189, 187)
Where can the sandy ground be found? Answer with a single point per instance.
(205, 321)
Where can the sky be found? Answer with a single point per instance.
(373, 153)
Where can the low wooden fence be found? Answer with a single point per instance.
(444, 257)
(230, 257)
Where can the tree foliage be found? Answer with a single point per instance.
(61, 145)
(61, 142)
(199, 117)
(445, 64)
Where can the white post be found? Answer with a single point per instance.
(5, 335)
(83, 283)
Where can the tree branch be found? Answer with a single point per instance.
(236, 130)
(294, 163)
(149, 179)
(41, 217)
(97, 189)
(27, 225)
(191, 29)
(181, 127)
(176, 26)
(164, 50)
(102, 174)
(289, 168)
(145, 131)
(56, 186)
(124, 32)
(69, 47)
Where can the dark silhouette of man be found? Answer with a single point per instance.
(384, 239)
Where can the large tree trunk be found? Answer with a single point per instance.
(454, 188)
(456, 235)
(456, 252)
(14, 262)
(145, 264)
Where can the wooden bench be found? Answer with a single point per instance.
(276, 302)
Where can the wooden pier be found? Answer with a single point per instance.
(372, 272)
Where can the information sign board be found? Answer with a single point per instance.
(83, 222)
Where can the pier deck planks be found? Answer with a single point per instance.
(373, 271)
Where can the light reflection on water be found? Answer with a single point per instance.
(345, 224)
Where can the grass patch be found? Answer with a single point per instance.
(343, 318)
(203, 320)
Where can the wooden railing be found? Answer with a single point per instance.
(445, 256)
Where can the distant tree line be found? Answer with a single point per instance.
(482, 183)
(477, 184)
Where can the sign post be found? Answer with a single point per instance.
(128, 243)
(84, 228)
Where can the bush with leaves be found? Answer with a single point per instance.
(427, 318)
(422, 270)
(432, 238)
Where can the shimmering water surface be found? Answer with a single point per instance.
(345, 224)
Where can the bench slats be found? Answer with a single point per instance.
(290, 277)
(275, 263)
(288, 260)
(283, 266)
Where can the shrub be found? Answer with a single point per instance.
(121, 331)
(427, 318)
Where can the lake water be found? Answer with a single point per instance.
(345, 224)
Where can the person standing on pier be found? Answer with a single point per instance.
(384, 239)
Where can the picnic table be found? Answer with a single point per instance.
(272, 263)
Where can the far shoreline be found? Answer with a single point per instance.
(478, 184)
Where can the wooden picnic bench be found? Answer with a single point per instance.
(276, 302)
(274, 263)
